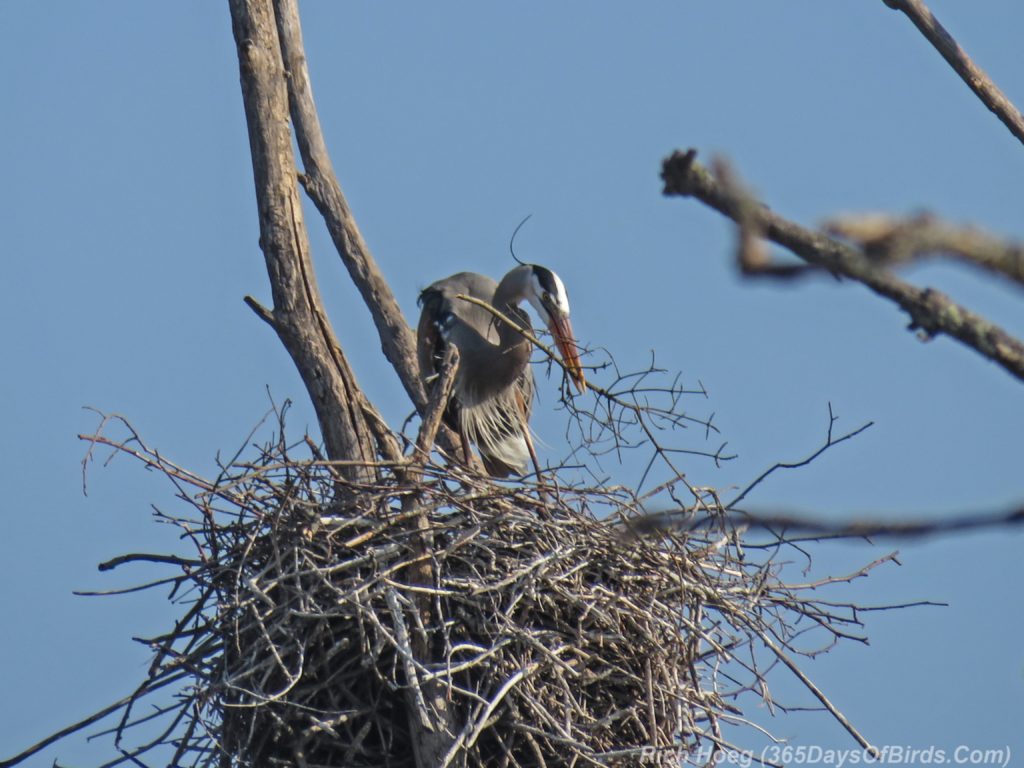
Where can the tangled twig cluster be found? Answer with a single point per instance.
(531, 626)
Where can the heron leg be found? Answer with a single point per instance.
(524, 422)
(467, 449)
(542, 493)
(533, 452)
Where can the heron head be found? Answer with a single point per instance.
(547, 295)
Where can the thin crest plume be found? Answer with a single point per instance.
(512, 240)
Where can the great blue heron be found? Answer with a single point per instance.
(493, 390)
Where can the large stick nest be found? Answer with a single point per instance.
(542, 632)
(514, 625)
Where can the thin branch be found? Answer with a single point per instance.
(522, 331)
(819, 695)
(830, 442)
(866, 526)
(65, 732)
(975, 77)
(148, 558)
(437, 404)
(262, 312)
(931, 312)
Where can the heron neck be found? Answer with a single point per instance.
(510, 291)
(486, 370)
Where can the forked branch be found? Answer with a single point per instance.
(297, 315)
(322, 186)
(931, 312)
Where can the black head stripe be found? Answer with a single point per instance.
(545, 278)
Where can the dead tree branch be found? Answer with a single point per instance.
(431, 720)
(92, 719)
(788, 527)
(931, 312)
(297, 315)
(436, 405)
(867, 526)
(830, 442)
(975, 77)
(323, 188)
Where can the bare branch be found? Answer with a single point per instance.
(321, 184)
(820, 695)
(975, 77)
(931, 312)
(261, 311)
(299, 318)
(96, 717)
(892, 240)
(430, 717)
(830, 442)
(866, 526)
(435, 409)
(184, 562)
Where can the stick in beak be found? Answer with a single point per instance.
(561, 329)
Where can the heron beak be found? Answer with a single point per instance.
(561, 329)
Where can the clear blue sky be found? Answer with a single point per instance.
(130, 237)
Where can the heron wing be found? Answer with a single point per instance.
(484, 408)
